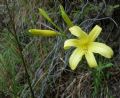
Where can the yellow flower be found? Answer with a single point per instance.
(85, 45)
(45, 33)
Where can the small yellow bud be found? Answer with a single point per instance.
(65, 17)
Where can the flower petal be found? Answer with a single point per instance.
(77, 31)
(94, 33)
(46, 33)
(91, 59)
(75, 58)
(71, 43)
(101, 48)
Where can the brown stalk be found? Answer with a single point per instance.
(19, 48)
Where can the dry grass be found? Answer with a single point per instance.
(46, 59)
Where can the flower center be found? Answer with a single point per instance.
(84, 43)
(85, 47)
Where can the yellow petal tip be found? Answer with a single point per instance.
(29, 30)
(93, 66)
(98, 27)
(72, 68)
(111, 54)
(73, 27)
(39, 9)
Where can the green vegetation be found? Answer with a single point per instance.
(37, 67)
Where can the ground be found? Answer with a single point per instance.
(45, 59)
